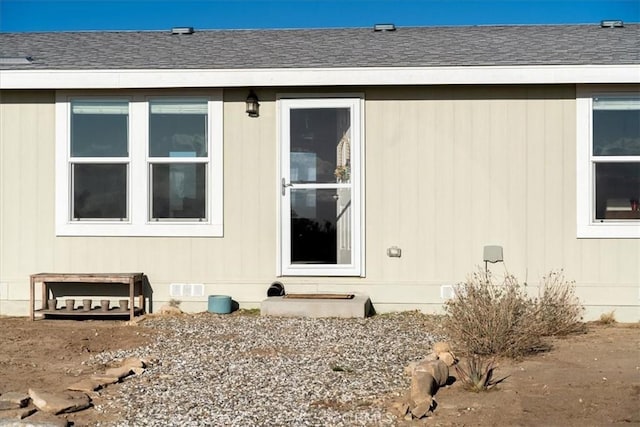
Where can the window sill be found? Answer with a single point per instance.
(610, 229)
(146, 230)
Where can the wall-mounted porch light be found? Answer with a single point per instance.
(253, 106)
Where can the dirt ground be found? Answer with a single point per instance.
(591, 379)
(585, 380)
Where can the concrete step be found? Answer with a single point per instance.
(283, 306)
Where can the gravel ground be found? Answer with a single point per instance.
(248, 370)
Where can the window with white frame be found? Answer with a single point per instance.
(99, 159)
(139, 165)
(178, 159)
(608, 164)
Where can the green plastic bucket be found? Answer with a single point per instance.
(220, 304)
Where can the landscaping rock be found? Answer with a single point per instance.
(440, 351)
(136, 320)
(423, 387)
(86, 385)
(411, 367)
(59, 403)
(437, 369)
(13, 400)
(443, 351)
(441, 347)
(427, 376)
(104, 380)
(150, 361)
(448, 358)
(17, 423)
(13, 415)
(421, 410)
(400, 408)
(38, 420)
(202, 379)
(169, 310)
(120, 372)
(133, 362)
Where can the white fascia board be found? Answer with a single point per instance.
(291, 77)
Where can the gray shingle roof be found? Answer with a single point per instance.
(306, 48)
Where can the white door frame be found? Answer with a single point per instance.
(355, 103)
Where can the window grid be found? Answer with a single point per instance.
(71, 164)
(177, 144)
(93, 145)
(617, 149)
(592, 154)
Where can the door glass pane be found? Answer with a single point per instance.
(178, 191)
(99, 191)
(320, 145)
(321, 226)
(617, 190)
(616, 127)
(99, 128)
(178, 128)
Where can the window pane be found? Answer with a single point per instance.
(617, 190)
(616, 127)
(320, 145)
(321, 226)
(178, 190)
(99, 191)
(99, 128)
(178, 128)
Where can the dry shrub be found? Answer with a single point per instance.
(489, 318)
(608, 318)
(559, 310)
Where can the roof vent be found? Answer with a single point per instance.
(611, 23)
(384, 27)
(182, 30)
(15, 60)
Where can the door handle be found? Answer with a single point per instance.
(285, 184)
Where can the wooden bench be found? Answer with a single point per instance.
(109, 283)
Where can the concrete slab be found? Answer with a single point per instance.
(358, 306)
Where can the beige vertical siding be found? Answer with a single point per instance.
(26, 188)
(448, 170)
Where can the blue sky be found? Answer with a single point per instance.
(54, 15)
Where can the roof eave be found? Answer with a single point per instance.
(310, 77)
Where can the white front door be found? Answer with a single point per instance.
(320, 188)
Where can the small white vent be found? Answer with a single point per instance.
(15, 60)
(182, 30)
(186, 290)
(611, 23)
(384, 27)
